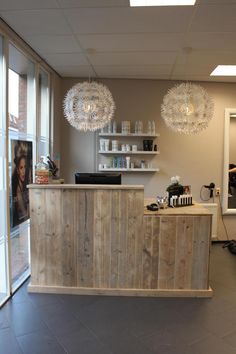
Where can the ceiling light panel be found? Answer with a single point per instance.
(224, 70)
(135, 3)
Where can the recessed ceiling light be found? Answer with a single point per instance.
(161, 2)
(224, 70)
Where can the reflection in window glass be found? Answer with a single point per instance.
(21, 93)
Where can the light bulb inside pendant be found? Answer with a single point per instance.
(187, 109)
(89, 107)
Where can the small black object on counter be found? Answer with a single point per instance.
(152, 207)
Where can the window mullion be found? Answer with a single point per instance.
(7, 175)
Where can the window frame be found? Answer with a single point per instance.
(10, 37)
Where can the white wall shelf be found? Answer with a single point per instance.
(140, 152)
(106, 159)
(129, 169)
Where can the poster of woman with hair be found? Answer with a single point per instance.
(21, 152)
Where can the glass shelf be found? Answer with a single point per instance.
(103, 155)
(130, 135)
(129, 169)
(139, 152)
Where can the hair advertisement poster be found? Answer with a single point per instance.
(21, 175)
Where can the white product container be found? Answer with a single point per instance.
(125, 127)
(102, 144)
(109, 128)
(107, 141)
(114, 127)
(114, 145)
(153, 127)
(140, 127)
(149, 127)
(127, 161)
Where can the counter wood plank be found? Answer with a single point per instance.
(88, 239)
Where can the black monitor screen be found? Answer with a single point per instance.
(97, 178)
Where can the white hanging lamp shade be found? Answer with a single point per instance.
(187, 108)
(89, 106)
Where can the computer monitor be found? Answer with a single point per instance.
(97, 178)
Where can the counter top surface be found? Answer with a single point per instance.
(84, 186)
(195, 209)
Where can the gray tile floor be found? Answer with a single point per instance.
(54, 324)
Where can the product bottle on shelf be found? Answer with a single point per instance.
(109, 128)
(127, 162)
(41, 172)
(149, 127)
(114, 127)
(153, 127)
(140, 127)
(103, 129)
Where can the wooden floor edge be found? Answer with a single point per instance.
(120, 292)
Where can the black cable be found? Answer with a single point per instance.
(221, 211)
(222, 219)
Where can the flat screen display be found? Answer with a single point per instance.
(97, 178)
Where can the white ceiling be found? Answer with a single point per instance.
(108, 39)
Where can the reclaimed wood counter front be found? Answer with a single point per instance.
(96, 239)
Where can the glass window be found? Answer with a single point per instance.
(22, 147)
(4, 289)
(26, 138)
(44, 113)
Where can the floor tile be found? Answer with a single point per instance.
(24, 318)
(211, 345)
(72, 302)
(43, 299)
(20, 296)
(163, 341)
(231, 339)
(62, 324)
(84, 342)
(8, 342)
(4, 322)
(214, 323)
(124, 342)
(40, 342)
(58, 320)
(143, 323)
(187, 331)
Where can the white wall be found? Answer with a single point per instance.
(197, 159)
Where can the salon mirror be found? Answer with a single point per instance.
(229, 178)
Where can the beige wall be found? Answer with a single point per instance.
(197, 159)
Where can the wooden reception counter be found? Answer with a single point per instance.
(99, 239)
